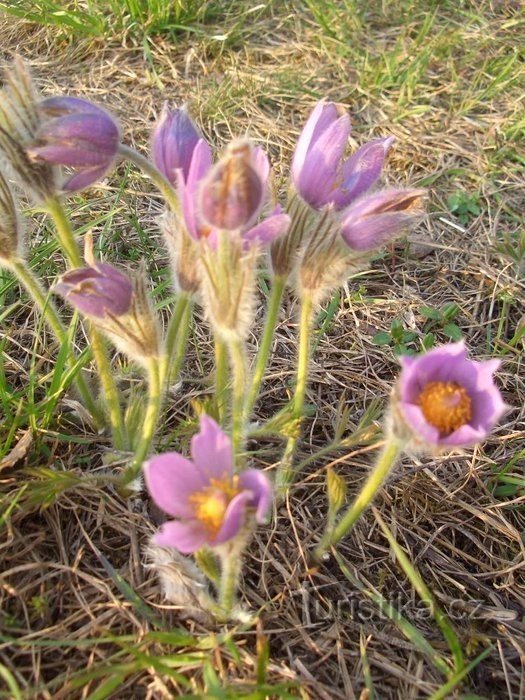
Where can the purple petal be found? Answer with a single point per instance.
(188, 188)
(96, 291)
(78, 155)
(171, 480)
(466, 436)
(187, 536)
(322, 116)
(62, 105)
(233, 518)
(419, 424)
(94, 132)
(374, 231)
(260, 488)
(211, 450)
(361, 171)
(85, 178)
(260, 163)
(173, 142)
(435, 365)
(268, 230)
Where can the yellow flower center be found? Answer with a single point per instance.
(212, 502)
(445, 405)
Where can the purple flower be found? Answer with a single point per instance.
(448, 400)
(79, 135)
(207, 499)
(377, 218)
(98, 291)
(190, 191)
(320, 172)
(173, 143)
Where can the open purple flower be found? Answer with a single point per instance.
(447, 400)
(173, 143)
(378, 218)
(98, 291)
(78, 134)
(202, 174)
(320, 172)
(207, 499)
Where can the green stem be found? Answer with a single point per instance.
(150, 419)
(64, 232)
(385, 462)
(50, 314)
(221, 377)
(176, 337)
(231, 566)
(238, 365)
(110, 390)
(149, 169)
(272, 314)
(285, 474)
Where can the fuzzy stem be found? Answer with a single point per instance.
(149, 169)
(150, 419)
(221, 376)
(272, 314)
(109, 388)
(50, 314)
(238, 366)
(64, 231)
(385, 462)
(231, 567)
(177, 336)
(285, 474)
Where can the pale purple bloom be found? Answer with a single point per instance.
(320, 172)
(173, 143)
(447, 400)
(190, 190)
(98, 292)
(378, 218)
(77, 134)
(207, 499)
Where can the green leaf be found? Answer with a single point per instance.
(382, 338)
(452, 331)
(428, 312)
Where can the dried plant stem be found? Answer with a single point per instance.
(238, 368)
(110, 390)
(272, 314)
(155, 394)
(177, 337)
(285, 474)
(50, 314)
(147, 167)
(385, 462)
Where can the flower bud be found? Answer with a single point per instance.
(173, 142)
(233, 192)
(79, 135)
(99, 292)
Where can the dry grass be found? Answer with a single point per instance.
(457, 124)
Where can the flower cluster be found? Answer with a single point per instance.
(218, 219)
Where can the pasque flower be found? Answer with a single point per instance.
(320, 172)
(210, 502)
(443, 399)
(98, 292)
(78, 134)
(173, 143)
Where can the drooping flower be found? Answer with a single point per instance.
(320, 172)
(78, 134)
(173, 143)
(98, 292)
(443, 399)
(378, 218)
(210, 502)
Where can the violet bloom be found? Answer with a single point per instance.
(447, 400)
(378, 218)
(173, 143)
(99, 292)
(320, 172)
(78, 134)
(207, 499)
(190, 193)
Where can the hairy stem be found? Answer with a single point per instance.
(238, 365)
(272, 314)
(231, 567)
(177, 337)
(221, 376)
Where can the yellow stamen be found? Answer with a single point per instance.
(212, 502)
(445, 405)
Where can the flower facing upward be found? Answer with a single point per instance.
(447, 400)
(77, 134)
(207, 499)
(173, 143)
(320, 172)
(98, 292)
